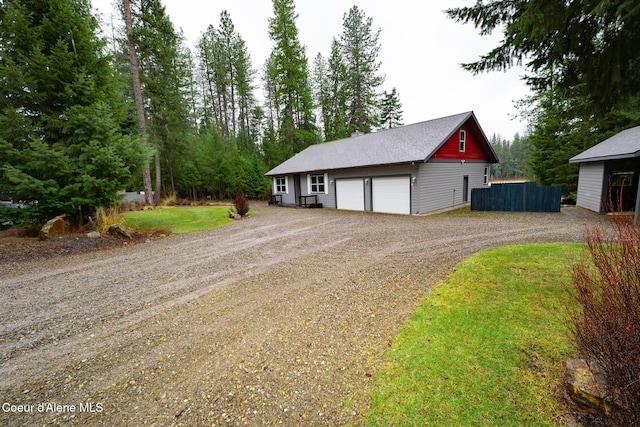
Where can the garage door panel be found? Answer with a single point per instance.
(350, 194)
(392, 194)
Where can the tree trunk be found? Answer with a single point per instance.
(158, 176)
(137, 93)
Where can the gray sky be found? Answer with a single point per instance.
(421, 50)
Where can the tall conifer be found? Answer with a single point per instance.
(289, 74)
(62, 145)
(360, 48)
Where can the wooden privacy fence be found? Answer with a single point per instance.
(516, 197)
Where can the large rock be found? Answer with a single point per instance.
(54, 227)
(587, 386)
(118, 230)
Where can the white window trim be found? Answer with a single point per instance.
(326, 183)
(486, 175)
(462, 141)
(275, 185)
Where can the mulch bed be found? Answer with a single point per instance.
(15, 247)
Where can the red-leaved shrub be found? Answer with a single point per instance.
(606, 287)
(242, 205)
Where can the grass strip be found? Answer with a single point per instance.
(179, 219)
(487, 347)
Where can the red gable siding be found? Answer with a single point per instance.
(450, 149)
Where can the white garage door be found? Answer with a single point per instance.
(392, 194)
(350, 194)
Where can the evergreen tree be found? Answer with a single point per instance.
(513, 157)
(320, 86)
(360, 48)
(137, 95)
(338, 88)
(582, 67)
(555, 140)
(586, 50)
(228, 73)
(62, 144)
(288, 75)
(228, 77)
(521, 155)
(390, 110)
(164, 80)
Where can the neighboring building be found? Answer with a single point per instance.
(609, 173)
(410, 169)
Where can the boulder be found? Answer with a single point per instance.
(93, 235)
(54, 227)
(234, 215)
(586, 386)
(118, 230)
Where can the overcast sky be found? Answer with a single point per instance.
(421, 51)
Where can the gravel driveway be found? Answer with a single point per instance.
(278, 319)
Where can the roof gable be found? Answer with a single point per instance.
(623, 145)
(410, 143)
(474, 148)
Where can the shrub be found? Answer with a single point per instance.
(606, 286)
(106, 217)
(170, 199)
(242, 205)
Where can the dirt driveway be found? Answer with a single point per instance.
(279, 319)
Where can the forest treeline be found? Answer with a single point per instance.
(77, 125)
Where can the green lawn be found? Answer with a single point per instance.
(179, 219)
(486, 348)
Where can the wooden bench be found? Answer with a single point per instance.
(276, 199)
(310, 201)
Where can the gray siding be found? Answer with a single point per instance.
(440, 183)
(288, 197)
(432, 190)
(590, 185)
(329, 200)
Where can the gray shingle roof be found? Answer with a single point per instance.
(410, 143)
(623, 145)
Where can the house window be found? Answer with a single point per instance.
(463, 140)
(486, 175)
(281, 184)
(317, 184)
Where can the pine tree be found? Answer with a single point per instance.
(586, 50)
(320, 86)
(288, 75)
(582, 66)
(62, 144)
(360, 48)
(137, 95)
(164, 82)
(228, 73)
(338, 83)
(390, 110)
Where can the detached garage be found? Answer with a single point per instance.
(609, 174)
(411, 169)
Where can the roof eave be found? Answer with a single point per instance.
(622, 156)
(369, 165)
